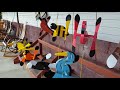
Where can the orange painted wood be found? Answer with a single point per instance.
(99, 69)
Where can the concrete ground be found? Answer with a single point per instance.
(10, 70)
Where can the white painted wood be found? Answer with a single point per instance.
(111, 61)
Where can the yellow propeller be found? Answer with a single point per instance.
(61, 54)
(68, 19)
(21, 47)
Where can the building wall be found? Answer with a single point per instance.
(109, 29)
(24, 17)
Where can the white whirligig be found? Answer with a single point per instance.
(52, 65)
(31, 63)
(48, 56)
(111, 61)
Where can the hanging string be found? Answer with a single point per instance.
(82, 57)
(57, 18)
(36, 20)
(18, 27)
(13, 17)
(8, 31)
(56, 24)
(81, 65)
(72, 26)
(78, 46)
(65, 41)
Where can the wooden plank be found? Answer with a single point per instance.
(99, 69)
(41, 73)
(57, 49)
(40, 45)
(56, 58)
(40, 57)
(39, 38)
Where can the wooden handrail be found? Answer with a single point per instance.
(50, 46)
(39, 38)
(99, 69)
(107, 73)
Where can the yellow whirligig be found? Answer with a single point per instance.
(21, 47)
(60, 30)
